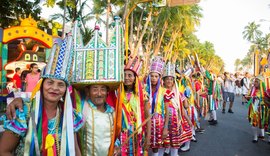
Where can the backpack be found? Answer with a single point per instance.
(242, 81)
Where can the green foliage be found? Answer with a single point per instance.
(12, 10)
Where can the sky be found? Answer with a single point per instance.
(224, 22)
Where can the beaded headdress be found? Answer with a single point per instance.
(134, 64)
(157, 65)
(169, 70)
(60, 60)
(98, 62)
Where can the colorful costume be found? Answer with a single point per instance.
(157, 104)
(133, 114)
(39, 135)
(19, 126)
(257, 110)
(173, 139)
(98, 63)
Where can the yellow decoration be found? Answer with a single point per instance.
(49, 144)
(55, 27)
(27, 29)
(263, 61)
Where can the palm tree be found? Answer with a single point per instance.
(252, 32)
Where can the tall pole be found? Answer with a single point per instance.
(126, 25)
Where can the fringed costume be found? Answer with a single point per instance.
(257, 109)
(173, 140)
(157, 107)
(133, 116)
(40, 135)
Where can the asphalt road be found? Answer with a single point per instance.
(232, 136)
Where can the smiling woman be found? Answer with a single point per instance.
(47, 123)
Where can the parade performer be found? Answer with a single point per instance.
(47, 122)
(158, 106)
(97, 136)
(99, 70)
(133, 112)
(172, 141)
(257, 109)
(200, 95)
(189, 108)
(267, 101)
(213, 105)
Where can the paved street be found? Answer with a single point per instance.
(232, 136)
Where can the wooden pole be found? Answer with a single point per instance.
(127, 23)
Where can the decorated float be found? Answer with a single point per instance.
(19, 47)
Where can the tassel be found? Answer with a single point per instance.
(36, 89)
(49, 145)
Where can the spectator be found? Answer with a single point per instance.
(32, 78)
(245, 87)
(229, 90)
(17, 83)
(238, 87)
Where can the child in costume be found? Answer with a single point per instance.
(158, 106)
(172, 141)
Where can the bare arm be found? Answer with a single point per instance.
(8, 142)
(17, 103)
(14, 84)
(185, 114)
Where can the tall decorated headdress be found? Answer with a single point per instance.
(100, 63)
(58, 67)
(169, 70)
(60, 60)
(134, 64)
(157, 65)
(97, 62)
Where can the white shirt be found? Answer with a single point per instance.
(246, 83)
(229, 86)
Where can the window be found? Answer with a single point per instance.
(35, 57)
(27, 57)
